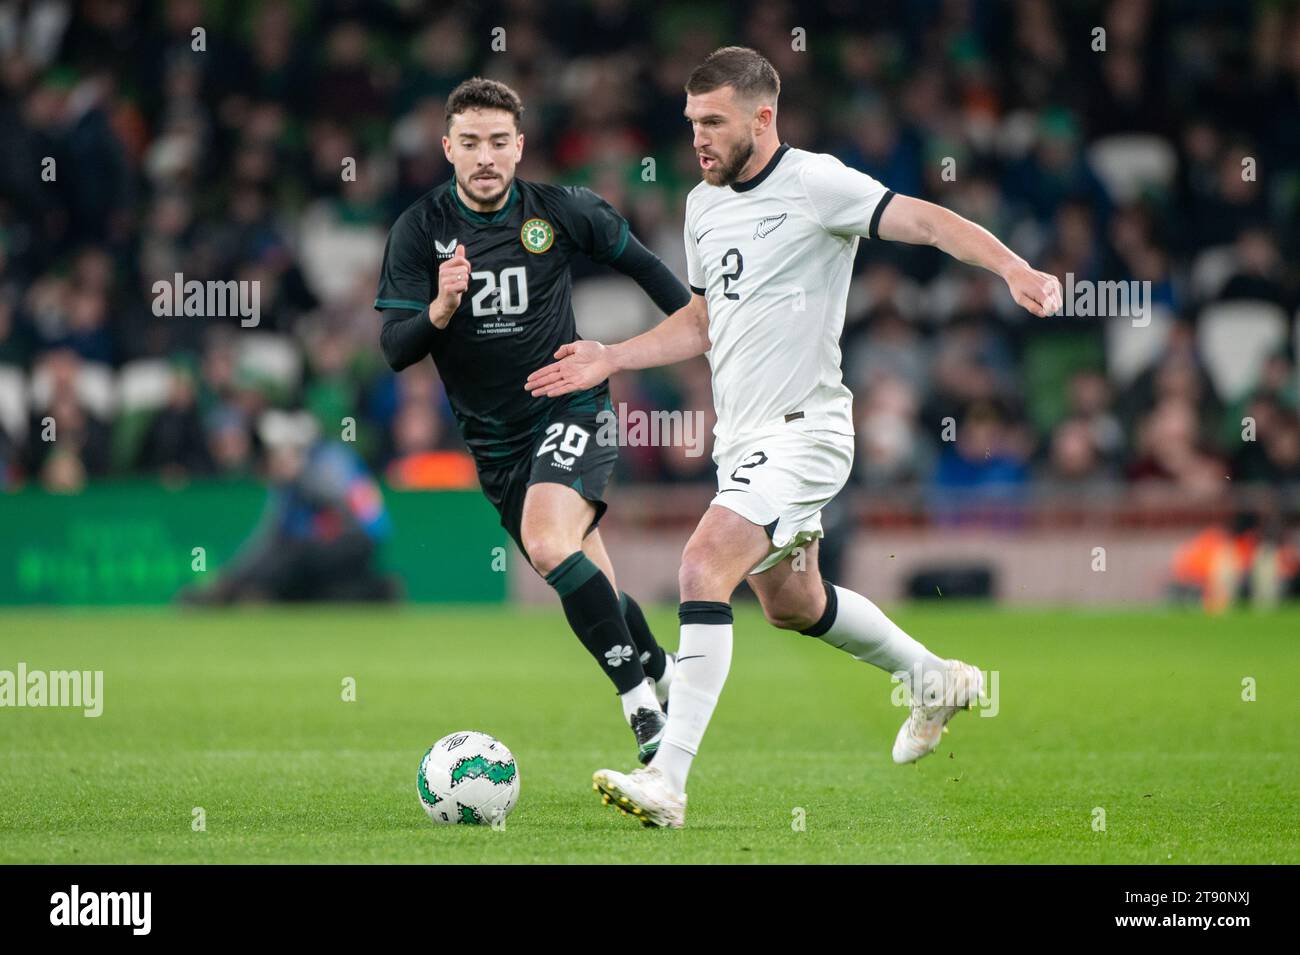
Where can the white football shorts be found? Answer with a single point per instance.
(780, 479)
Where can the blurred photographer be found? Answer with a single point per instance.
(319, 533)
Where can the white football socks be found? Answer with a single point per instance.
(641, 695)
(862, 630)
(703, 659)
(664, 684)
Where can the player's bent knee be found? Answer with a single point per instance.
(546, 553)
(697, 579)
(691, 578)
(789, 618)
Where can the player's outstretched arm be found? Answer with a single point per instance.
(918, 222)
(682, 335)
(656, 279)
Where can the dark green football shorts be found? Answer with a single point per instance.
(577, 447)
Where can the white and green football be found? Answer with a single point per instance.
(468, 778)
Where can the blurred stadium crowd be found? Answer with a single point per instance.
(226, 164)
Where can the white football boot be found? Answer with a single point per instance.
(642, 793)
(924, 728)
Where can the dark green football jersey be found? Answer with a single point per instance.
(518, 309)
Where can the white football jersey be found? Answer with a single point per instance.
(773, 256)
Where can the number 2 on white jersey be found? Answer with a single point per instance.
(729, 277)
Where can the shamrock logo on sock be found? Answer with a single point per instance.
(617, 656)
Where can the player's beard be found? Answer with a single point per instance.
(490, 200)
(725, 173)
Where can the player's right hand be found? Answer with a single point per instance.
(453, 282)
(581, 365)
(1037, 292)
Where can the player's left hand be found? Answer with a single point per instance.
(1038, 292)
(582, 365)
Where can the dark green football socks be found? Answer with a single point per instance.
(592, 609)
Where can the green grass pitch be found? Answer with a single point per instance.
(1140, 714)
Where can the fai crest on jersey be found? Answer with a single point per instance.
(537, 235)
(445, 251)
(768, 224)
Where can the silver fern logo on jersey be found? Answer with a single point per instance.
(768, 224)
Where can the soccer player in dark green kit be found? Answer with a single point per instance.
(476, 274)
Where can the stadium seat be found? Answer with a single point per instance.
(336, 256)
(13, 401)
(272, 359)
(1296, 352)
(1131, 350)
(1234, 339)
(277, 427)
(143, 385)
(142, 389)
(1128, 163)
(611, 308)
(95, 389)
(1211, 270)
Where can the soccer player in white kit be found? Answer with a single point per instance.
(771, 234)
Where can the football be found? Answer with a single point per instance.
(468, 778)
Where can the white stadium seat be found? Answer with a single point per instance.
(1126, 163)
(1234, 339)
(277, 427)
(95, 389)
(13, 401)
(1296, 352)
(1132, 350)
(144, 385)
(1211, 270)
(337, 257)
(271, 357)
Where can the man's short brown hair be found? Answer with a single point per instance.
(746, 71)
(479, 93)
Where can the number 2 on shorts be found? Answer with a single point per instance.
(575, 439)
(752, 461)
